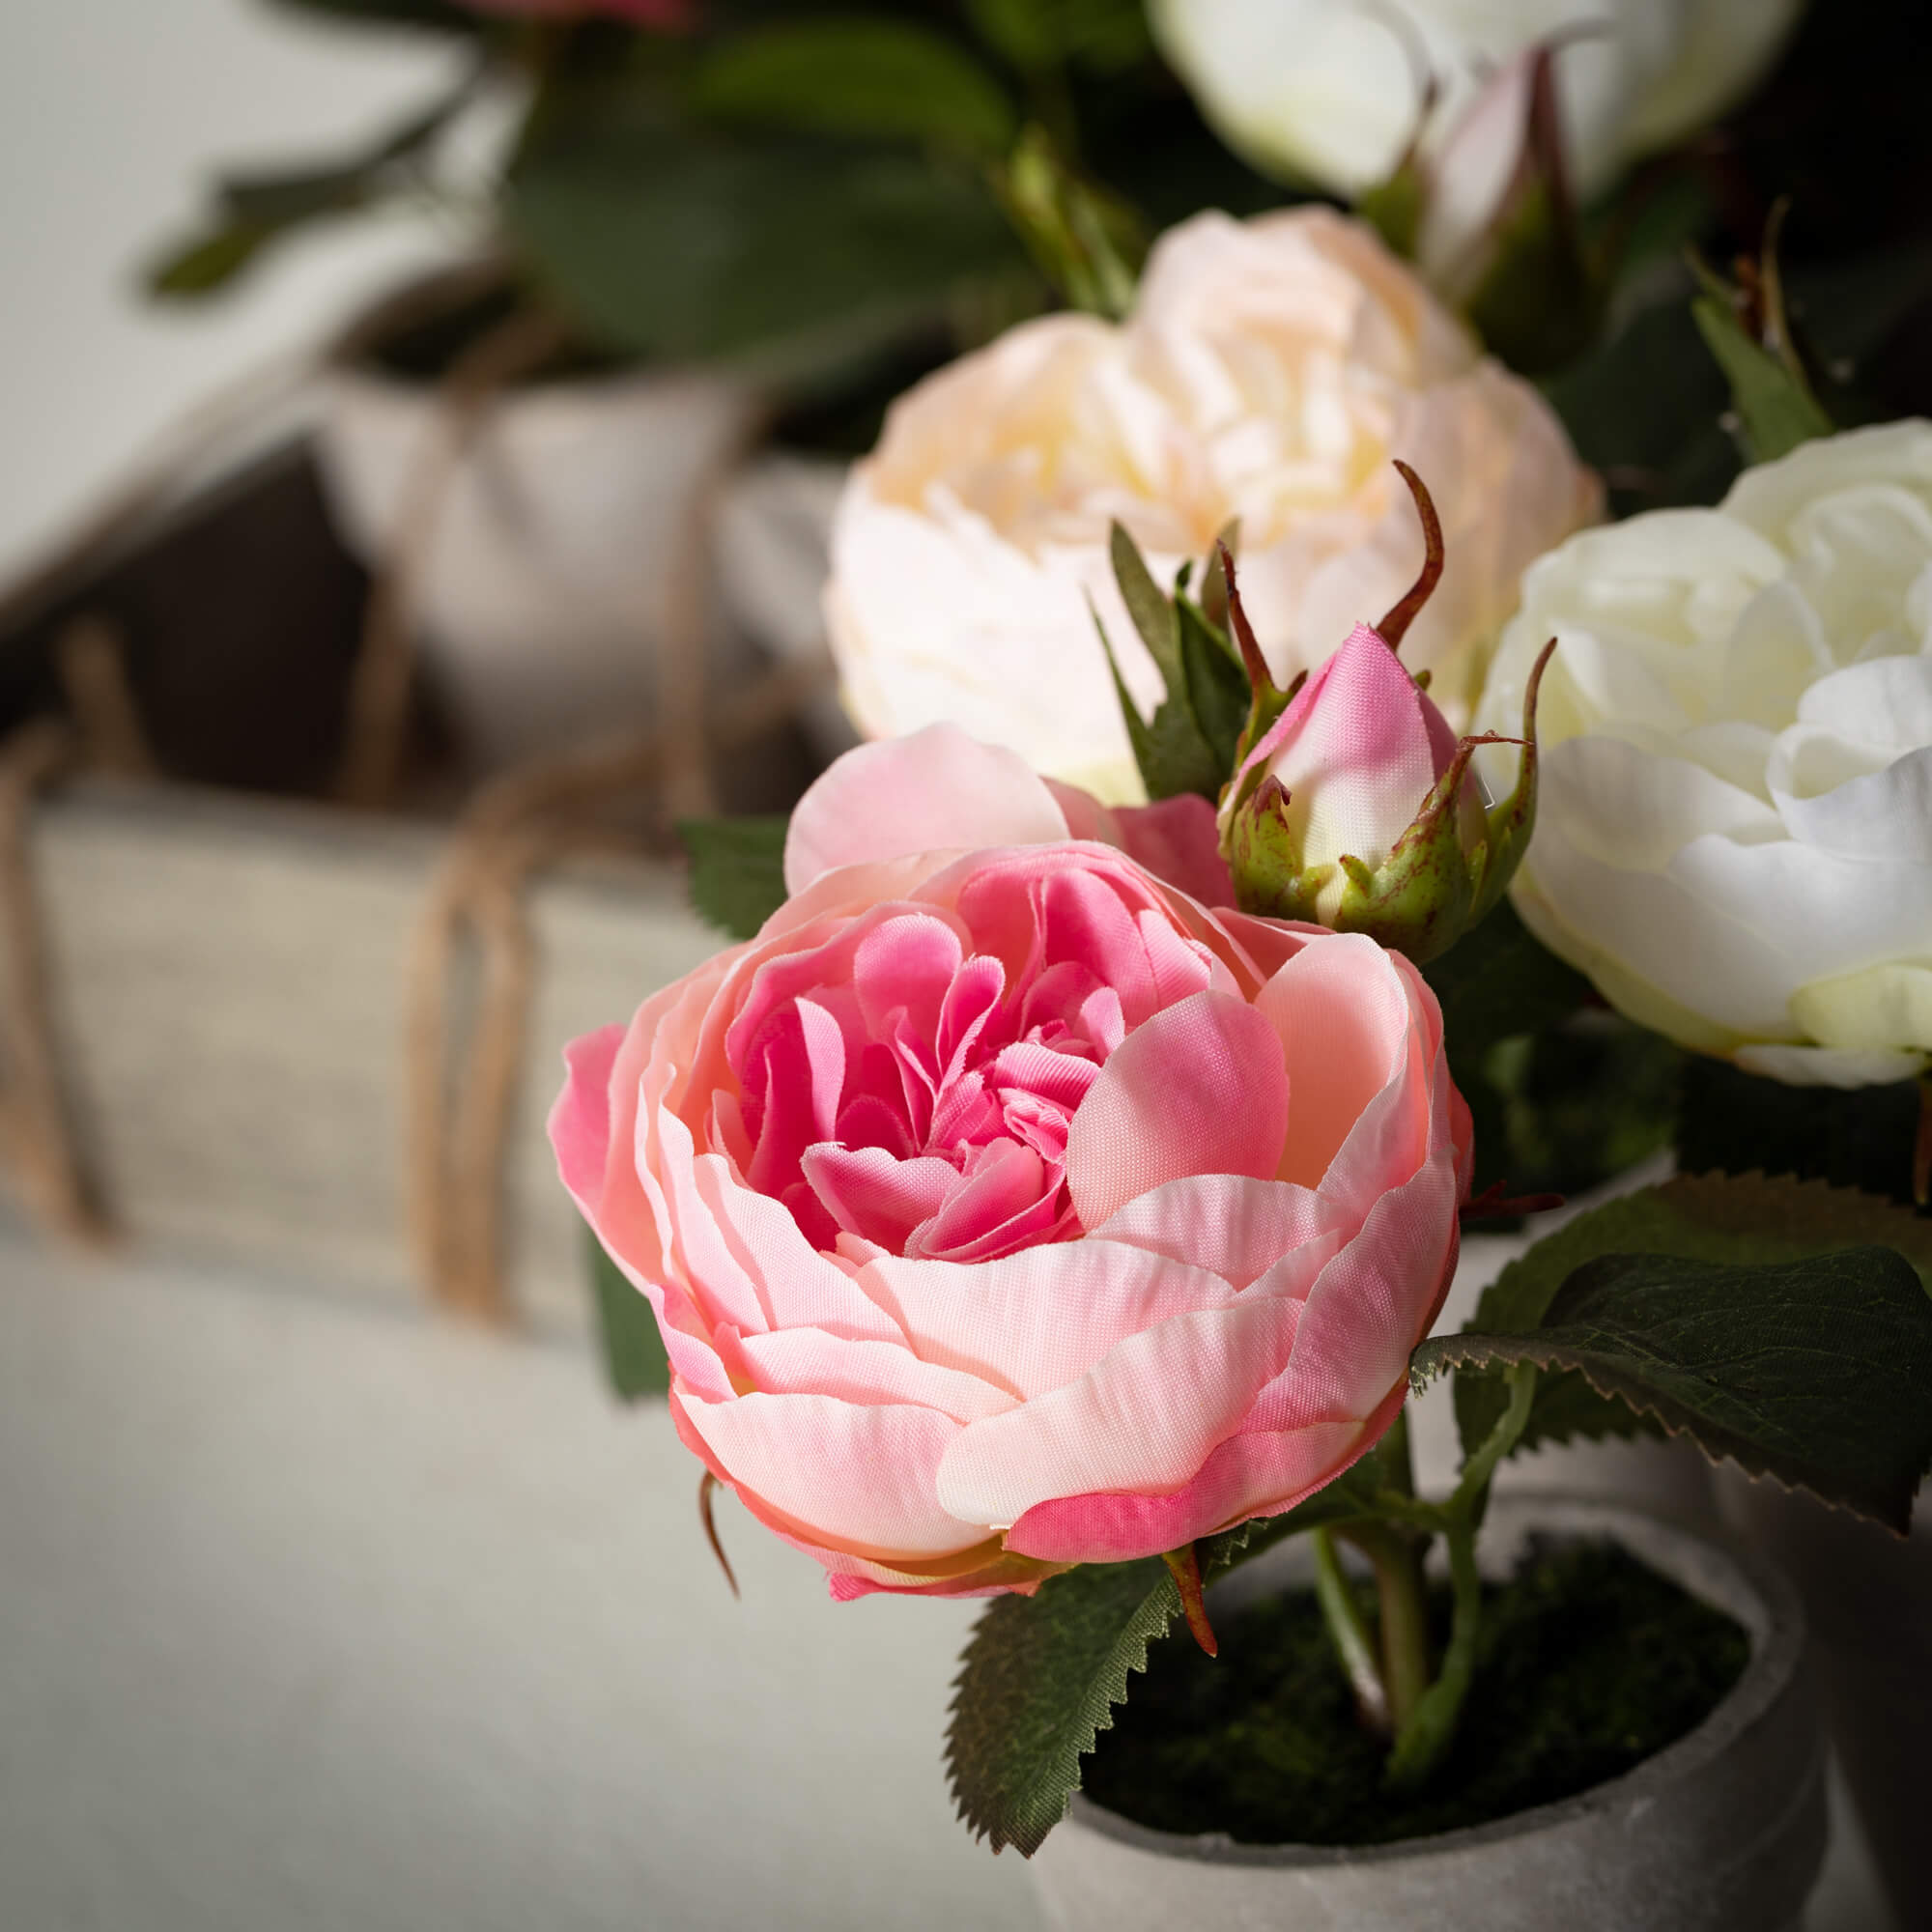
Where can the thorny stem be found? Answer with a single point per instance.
(1426, 1737)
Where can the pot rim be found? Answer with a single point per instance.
(1733, 1579)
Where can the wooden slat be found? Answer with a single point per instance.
(229, 979)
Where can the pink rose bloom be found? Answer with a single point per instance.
(1003, 1207)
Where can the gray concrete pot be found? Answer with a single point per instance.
(1724, 1832)
(1868, 1601)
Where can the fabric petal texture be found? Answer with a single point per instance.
(1003, 1207)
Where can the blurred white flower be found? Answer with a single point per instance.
(1269, 374)
(1330, 91)
(1734, 836)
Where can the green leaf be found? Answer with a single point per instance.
(1644, 408)
(1817, 1372)
(1041, 1674)
(1747, 1220)
(1217, 688)
(870, 79)
(1744, 1220)
(788, 252)
(633, 1351)
(1776, 409)
(255, 209)
(209, 260)
(737, 871)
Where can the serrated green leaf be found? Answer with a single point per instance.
(1816, 1371)
(635, 1361)
(869, 79)
(1041, 1674)
(737, 871)
(1777, 410)
(1742, 1220)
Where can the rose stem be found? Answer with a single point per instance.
(1422, 1743)
(1402, 1616)
(1343, 1615)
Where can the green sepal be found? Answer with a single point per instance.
(1189, 744)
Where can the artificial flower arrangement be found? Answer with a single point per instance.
(1053, 1201)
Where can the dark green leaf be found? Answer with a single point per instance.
(792, 252)
(869, 79)
(737, 871)
(633, 1351)
(1816, 1371)
(1746, 1220)
(1710, 1217)
(1775, 409)
(1646, 408)
(1043, 1674)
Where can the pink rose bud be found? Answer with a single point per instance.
(1003, 1207)
(1358, 808)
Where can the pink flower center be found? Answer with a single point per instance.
(908, 1089)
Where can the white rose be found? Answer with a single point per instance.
(1734, 835)
(1270, 372)
(1328, 90)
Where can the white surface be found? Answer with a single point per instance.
(316, 1617)
(113, 114)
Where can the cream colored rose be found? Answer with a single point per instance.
(1330, 90)
(1734, 836)
(1270, 372)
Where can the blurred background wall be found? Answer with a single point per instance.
(112, 114)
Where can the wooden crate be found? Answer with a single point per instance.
(229, 984)
(227, 960)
